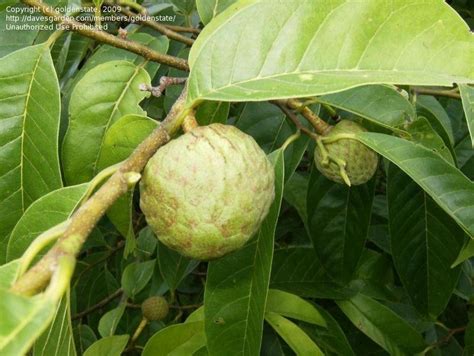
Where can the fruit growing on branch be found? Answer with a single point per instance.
(206, 193)
(155, 308)
(343, 159)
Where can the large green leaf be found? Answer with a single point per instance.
(467, 95)
(237, 285)
(448, 187)
(296, 338)
(42, 215)
(29, 126)
(298, 270)
(23, 320)
(293, 50)
(338, 220)
(425, 241)
(169, 339)
(381, 104)
(57, 340)
(102, 96)
(208, 9)
(382, 325)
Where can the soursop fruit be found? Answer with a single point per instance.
(360, 161)
(206, 193)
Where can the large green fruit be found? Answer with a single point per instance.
(206, 193)
(361, 161)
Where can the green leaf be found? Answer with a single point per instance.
(380, 104)
(466, 252)
(421, 132)
(169, 339)
(330, 339)
(464, 151)
(85, 337)
(110, 346)
(123, 137)
(296, 338)
(294, 51)
(269, 127)
(109, 321)
(424, 242)
(136, 276)
(8, 273)
(338, 220)
(211, 112)
(58, 338)
(174, 266)
(208, 9)
(448, 187)
(43, 214)
(467, 96)
(382, 325)
(119, 142)
(102, 96)
(237, 285)
(297, 270)
(29, 126)
(23, 320)
(292, 306)
(190, 347)
(106, 53)
(430, 108)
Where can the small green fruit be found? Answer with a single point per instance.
(345, 160)
(155, 308)
(206, 193)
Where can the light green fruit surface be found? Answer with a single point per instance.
(155, 308)
(361, 161)
(206, 193)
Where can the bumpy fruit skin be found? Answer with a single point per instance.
(155, 308)
(206, 193)
(361, 161)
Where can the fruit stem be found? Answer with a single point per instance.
(291, 139)
(289, 114)
(321, 126)
(138, 331)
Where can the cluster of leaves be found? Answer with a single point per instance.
(382, 267)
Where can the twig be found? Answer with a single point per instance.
(446, 93)
(183, 29)
(293, 118)
(145, 20)
(87, 216)
(319, 124)
(69, 23)
(99, 305)
(165, 82)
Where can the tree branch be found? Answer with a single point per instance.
(157, 26)
(87, 216)
(99, 305)
(319, 124)
(70, 24)
(289, 114)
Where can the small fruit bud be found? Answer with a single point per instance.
(155, 308)
(345, 160)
